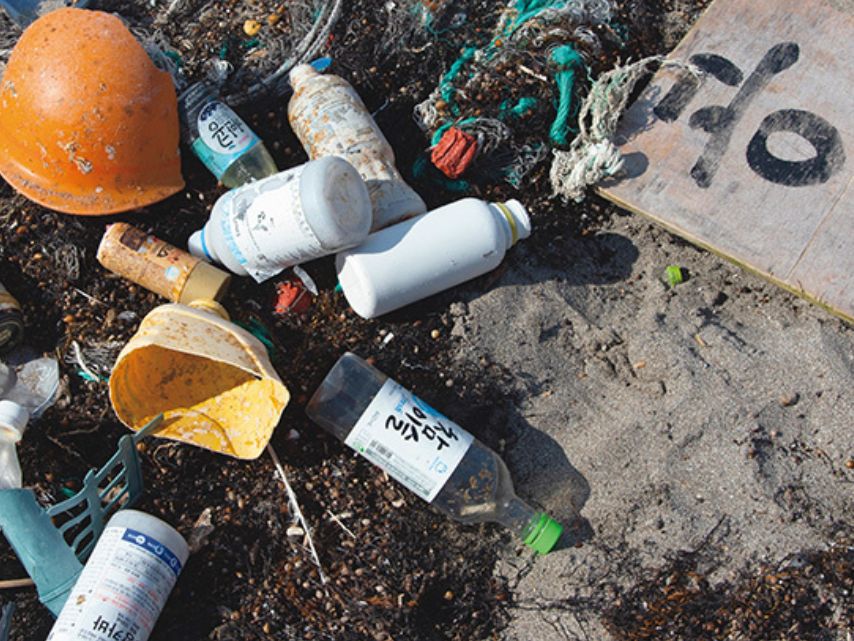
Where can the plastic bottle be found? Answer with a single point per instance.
(427, 254)
(221, 139)
(11, 322)
(160, 267)
(429, 454)
(330, 119)
(125, 583)
(303, 213)
(13, 422)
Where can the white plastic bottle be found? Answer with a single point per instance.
(291, 217)
(330, 119)
(125, 583)
(427, 254)
(13, 422)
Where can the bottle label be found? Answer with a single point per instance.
(411, 441)
(147, 260)
(223, 137)
(335, 122)
(121, 591)
(265, 226)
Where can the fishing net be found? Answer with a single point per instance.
(247, 49)
(517, 91)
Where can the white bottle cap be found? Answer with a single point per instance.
(13, 421)
(196, 245)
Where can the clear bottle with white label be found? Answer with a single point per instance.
(425, 255)
(221, 139)
(330, 119)
(425, 451)
(125, 583)
(286, 219)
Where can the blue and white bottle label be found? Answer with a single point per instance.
(411, 441)
(223, 137)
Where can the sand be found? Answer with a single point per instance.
(717, 413)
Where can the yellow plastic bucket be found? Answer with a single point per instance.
(211, 379)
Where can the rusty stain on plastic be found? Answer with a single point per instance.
(211, 379)
(88, 124)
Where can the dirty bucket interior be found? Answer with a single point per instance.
(205, 402)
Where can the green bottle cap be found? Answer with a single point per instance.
(544, 533)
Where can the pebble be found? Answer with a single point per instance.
(435, 334)
(789, 399)
(295, 531)
(850, 464)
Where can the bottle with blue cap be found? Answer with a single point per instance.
(425, 451)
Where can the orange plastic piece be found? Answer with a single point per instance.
(292, 296)
(454, 153)
(88, 124)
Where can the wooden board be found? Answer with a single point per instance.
(755, 161)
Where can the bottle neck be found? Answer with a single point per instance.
(517, 516)
(508, 222)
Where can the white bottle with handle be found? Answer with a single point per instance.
(286, 219)
(330, 119)
(422, 256)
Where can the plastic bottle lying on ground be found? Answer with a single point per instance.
(427, 254)
(160, 267)
(330, 119)
(221, 139)
(125, 583)
(11, 322)
(13, 422)
(429, 454)
(286, 219)
(26, 393)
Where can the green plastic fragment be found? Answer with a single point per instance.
(674, 275)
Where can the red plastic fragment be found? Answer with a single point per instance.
(454, 153)
(292, 297)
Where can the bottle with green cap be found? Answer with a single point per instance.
(425, 451)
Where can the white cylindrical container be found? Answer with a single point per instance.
(13, 422)
(286, 219)
(424, 255)
(330, 119)
(125, 584)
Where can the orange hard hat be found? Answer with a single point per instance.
(88, 124)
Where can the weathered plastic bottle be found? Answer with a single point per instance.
(125, 583)
(13, 422)
(221, 139)
(297, 215)
(160, 267)
(330, 119)
(11, 322)
(430, 253)
(429, 454)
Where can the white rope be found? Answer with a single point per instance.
(593, 154)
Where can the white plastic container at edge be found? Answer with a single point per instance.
(424, 255)
(306, 212)
(125, 583)
(13, 422)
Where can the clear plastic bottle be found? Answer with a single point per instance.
(426, 452)
(221, 139)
